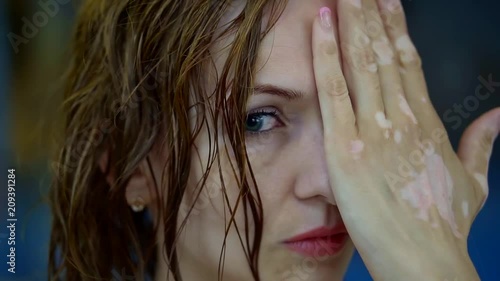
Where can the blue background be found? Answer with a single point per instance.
(457, 40)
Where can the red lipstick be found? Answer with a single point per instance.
(319, 242)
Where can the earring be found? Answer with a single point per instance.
(138, 204)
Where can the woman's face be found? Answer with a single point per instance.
(288, 161)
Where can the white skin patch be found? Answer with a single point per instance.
(372, 68)
(424, 100)
(382, 121)
(432, 187)
(465, 208)
(391, 5)
(405, 46)
(483, 181)
(387, 134)
(403, 104)
(356, 3)
(383, 52)
(357, 147)
(398, 136)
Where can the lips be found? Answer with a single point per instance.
(319, 242)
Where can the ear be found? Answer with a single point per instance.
(139, 192)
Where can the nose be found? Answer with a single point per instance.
(313, 180)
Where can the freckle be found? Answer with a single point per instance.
(357, 147)
(382, 120)
(397, 136)
(403, 104)
(465, 208)
(383, 52)
(483, 181)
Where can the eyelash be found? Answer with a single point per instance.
(263, 112)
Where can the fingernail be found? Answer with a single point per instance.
(326, 17)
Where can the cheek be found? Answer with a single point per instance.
(271, 168)
(210, 201)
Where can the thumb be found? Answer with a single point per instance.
(476, 146)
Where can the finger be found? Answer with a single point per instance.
(336, 108)
(388, 71)
(359, 65)
(410, 66)
(476, 146)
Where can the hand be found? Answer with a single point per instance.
(407, 199)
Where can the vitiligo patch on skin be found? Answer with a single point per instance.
(483, 181)
(391, 5)
(397, 136)
(465, 208)
(372, 67)
(356, 148)
(382, 120)
(424, 100)
(383, 51)
(383, 123)
(432, 187)
(426, 145)
(362, 40)
(406, 48)
(403, 104)
(387, 134)
(356, 3)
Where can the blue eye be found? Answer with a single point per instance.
(261, 121)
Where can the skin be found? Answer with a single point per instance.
(310, 175)
(421, 211)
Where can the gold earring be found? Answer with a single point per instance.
(138, 204)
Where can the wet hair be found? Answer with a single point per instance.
(135, 71)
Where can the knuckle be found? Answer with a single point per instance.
(328, 48)
(383, 51)
(486, 142)
(410, 60)
(336, 86)
(360, 59)
(407, 53)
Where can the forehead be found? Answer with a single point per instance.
(285, 56)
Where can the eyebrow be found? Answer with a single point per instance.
(288, 94)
